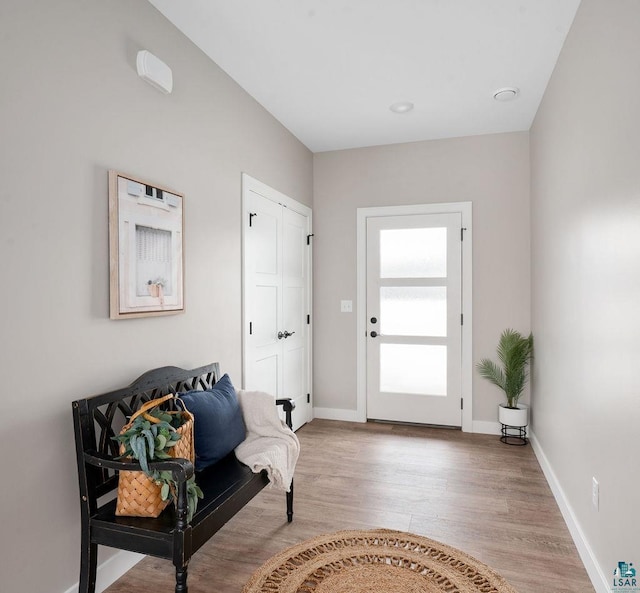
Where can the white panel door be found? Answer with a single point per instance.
(263, 299)
(294, 311)
(277, 297)
(414, 365)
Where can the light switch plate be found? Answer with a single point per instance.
(346, 306)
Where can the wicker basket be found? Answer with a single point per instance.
(138, 494)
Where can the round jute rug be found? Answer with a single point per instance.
(376, 561)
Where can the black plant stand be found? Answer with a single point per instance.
(514, 435)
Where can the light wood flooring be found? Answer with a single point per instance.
(469, 491)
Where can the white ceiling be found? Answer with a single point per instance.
(328, 70)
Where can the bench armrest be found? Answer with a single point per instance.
(288, 405)
(181, 469)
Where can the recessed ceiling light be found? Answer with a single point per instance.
(506, 94)
(401, 107)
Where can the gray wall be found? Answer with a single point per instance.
(71, 107)
(490, 171)
(585, 152)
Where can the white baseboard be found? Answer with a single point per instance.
(336, 414)
(597, 576)
(484, 427)
(112, 569)
(479, 426)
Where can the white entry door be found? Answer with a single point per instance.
(414, 317)
(277, 296)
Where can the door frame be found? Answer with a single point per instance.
(250, 184)
(465, 209)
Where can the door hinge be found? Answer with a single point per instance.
(251, 328)
(309, 239)
(461, 404)
(308, 398)
(251, 215)
(308, 319)
(462, 230)
(461, 318)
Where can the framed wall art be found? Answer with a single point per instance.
(146, 256)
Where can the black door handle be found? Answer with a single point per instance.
(288, 333)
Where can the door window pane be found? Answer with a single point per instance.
(413, 253)
(413, 368)
(413, 310)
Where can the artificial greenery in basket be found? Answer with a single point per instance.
(149, 437)
(514, 351)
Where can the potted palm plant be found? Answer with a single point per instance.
(515, 352)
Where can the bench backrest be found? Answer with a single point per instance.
(99, 418)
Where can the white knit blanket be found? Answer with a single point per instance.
(270, 444)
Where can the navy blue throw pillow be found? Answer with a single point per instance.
(218, 424)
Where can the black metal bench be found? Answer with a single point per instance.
(227, 485)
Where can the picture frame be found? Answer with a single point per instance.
(146, 248)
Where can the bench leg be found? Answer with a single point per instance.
(181, 579)
(290, 504)
(88, 566)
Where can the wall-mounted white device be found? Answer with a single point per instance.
(154, 71)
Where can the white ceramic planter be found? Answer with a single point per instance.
(513, 416)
